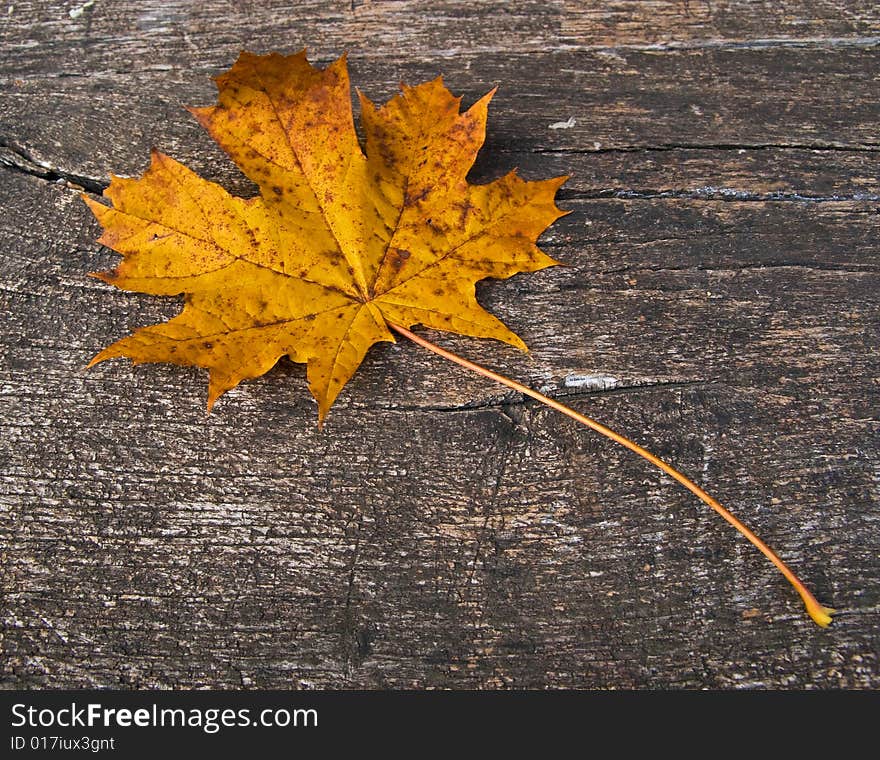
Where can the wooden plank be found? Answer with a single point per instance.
(719, 305)
(128, 36)
(90, 126)
(440, 533)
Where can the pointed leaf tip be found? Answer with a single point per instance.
(101, 356)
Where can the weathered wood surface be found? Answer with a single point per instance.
(720, 306)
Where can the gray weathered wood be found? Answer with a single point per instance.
(719, 305)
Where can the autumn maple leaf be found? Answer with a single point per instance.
(340, 242)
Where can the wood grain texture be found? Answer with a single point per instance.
(719, 305)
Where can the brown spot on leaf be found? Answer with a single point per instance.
(465, 208)
(412, 200)
(397, 258)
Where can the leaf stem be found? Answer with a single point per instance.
(821, 615)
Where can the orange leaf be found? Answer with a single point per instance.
(340, 245)
(340, 242)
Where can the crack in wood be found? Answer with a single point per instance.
(710, 193)
(744, 44)
(808, 266)
(516, 399)
(668, 147)
(20, 160)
